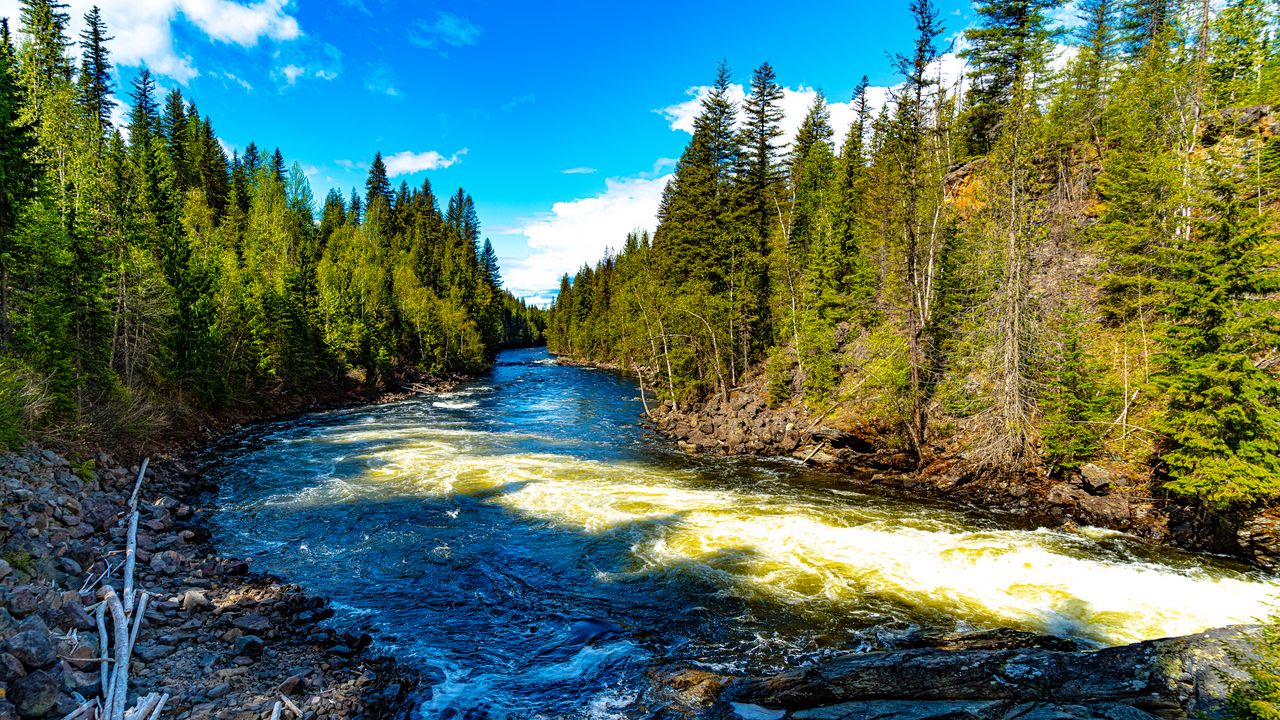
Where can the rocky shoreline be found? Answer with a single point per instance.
(225, 642)
(994, 675)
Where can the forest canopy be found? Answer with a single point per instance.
(1041, 264)
(143, 273)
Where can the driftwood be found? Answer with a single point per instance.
(116, 643)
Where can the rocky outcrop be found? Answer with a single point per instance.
(1171, 679)
(225, 642)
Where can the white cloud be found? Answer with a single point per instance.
(233, 78)
(292, 72)
(796, 102)
(407, 163)
(326, 75)
(143, 29)
(444, 29)
(579, 171)
(580, 231)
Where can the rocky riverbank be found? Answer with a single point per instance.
(223, 641)
(984, 676)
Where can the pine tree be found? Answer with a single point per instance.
(95, 72)
(16, 176)
(1223, 417)
(378, 185)
(1002, 49)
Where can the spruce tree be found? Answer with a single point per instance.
(1223, 417)
(95, 72)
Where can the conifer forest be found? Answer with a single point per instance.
(1051, 260)
(145, 275)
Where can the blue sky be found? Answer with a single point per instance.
(561, 119)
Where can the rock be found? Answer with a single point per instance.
(1096, 480)
(1109, 510)
(249, 646)
(253, 623)
(76, 615)
(150, 652)
(1259, 538)
(218, 691)
(36, 694)
(5, 569)
(195, 600)
(32, 648)
(10, 668)
(1176, 677)
(295, 684)
(23, 602)
(166, 562)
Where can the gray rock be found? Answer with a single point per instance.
(218, 691)
(252, 623)
(1176, 677)
(5, 568)
(10, 668)
(249, 646)
(150, 652)
(32, 648)
(36, 694)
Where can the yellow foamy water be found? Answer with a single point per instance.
(818, 552)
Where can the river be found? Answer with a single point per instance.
(535, 550)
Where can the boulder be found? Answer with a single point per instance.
(32, 648)
(35, 695)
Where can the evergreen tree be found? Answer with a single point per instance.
(1223, 418)
(95, 72)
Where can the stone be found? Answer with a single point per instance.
(218, 691)
(35, 695)
(295, 684)
(252, 623)
(32, 648)
(194, 599)
(5, 568)
(23, 602)
(10, 668)
(249, 646)
(1096, 480)
(150, 652)
(166, 562)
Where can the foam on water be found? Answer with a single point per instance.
(775, 546)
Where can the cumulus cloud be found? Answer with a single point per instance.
(407, 162)
(796, 102)
(580, 231)
(143, 29)
(444, 29)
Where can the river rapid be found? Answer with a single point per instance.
(534, 550)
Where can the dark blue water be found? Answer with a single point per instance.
(535, 551)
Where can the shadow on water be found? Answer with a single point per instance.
(441, 525)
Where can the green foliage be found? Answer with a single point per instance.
(1258, 697)
(1076, 400)
(1223, 418)
(153, 274)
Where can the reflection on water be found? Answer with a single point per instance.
(524, 539)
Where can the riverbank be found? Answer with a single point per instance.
(224, 641)
(986, 676)
(868, 456)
